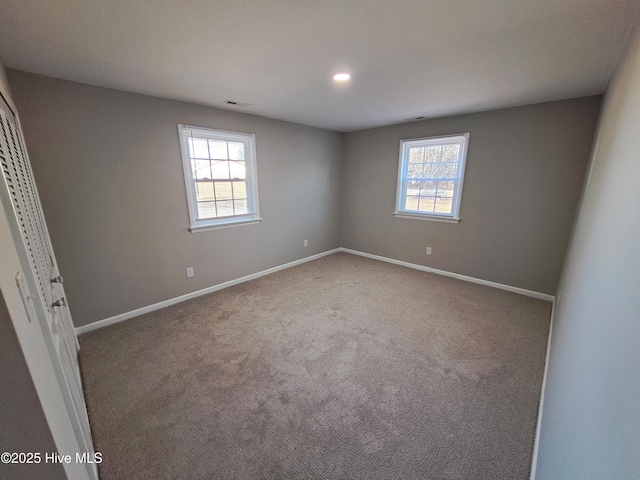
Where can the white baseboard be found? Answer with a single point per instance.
(522, 291)
(188, 296)
(534, 457)
(172, 301)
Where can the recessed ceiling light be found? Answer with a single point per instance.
(341, 77)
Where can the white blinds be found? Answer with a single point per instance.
(19, 181)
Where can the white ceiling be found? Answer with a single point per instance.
(408, 58)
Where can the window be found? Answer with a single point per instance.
(220, 177)
(430, 174)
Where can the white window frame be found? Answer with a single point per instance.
(253, 216)
(403, 164)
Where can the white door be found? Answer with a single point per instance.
(41, 287)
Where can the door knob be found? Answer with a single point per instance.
(59, 303)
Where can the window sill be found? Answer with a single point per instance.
(431, 218)
(218, 226)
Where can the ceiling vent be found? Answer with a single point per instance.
(233, 103)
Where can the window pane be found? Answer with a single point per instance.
(446, 189)
(428, 189)
(201, 169)
(223, 191)
(411, 202)
(450, 169)
(443, 204)
(236, 151)
(238, 169)
(204, 191)
(426, 204)
(416, 155)
(199, 148)
(432, 154)
(431, 170)
(444, 197)
(220, 169)
(240, 207)
(413, 188)
(206, 210)
(414, 170)
(225, 208)
(239, 190)
(443, 169)
(427, 197)
(450, 153)
(218, 149)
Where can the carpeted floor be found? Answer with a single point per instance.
(340, 368)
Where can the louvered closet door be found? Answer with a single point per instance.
(42, 277)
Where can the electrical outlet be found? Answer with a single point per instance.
(190, 272)
(428, 250)
(306, 243)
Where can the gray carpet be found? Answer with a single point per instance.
(343, 367)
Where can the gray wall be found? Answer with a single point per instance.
(591, 415)
(525, 171)
(108, 168)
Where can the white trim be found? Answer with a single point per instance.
(501, 286)
(249, 140)
(206, 228)
(431, 218)
(461, 139)
(172, 301)
(536, 444)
